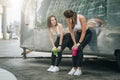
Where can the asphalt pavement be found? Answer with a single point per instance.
(35, 66)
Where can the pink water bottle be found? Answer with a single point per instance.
(74, 51)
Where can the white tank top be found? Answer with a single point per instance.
(78, 25)
(55, 33)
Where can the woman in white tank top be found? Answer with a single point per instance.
(58, 40)
(80, 35)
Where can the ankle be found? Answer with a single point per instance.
(78, 68)
(75, 68)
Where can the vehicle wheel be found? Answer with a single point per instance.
(118, 58)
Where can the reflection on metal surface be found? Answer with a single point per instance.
(105, 39)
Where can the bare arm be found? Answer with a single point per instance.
(51, 38)
(84, 28)
(61, 33)
(71, 31)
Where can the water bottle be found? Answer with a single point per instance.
(55, 50)
(74, 51)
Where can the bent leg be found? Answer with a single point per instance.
(65, 43)
(82, 46)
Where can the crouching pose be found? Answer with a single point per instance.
(80, 35)
(62, 39)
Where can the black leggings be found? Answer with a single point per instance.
(77, 60)
(65, 43)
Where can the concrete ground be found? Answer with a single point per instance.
(35, 66)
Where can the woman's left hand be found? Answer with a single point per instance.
(78, 44)
(59, 48)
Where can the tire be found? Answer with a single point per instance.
(117, 52)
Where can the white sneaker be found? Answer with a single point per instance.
(78, 72)
(50, 68)
(72, 71)
(55, 69)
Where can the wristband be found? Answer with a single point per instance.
(59, 45)
(79, 42)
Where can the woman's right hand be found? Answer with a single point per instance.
(53, 47)
(75, 46)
